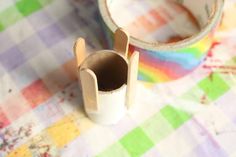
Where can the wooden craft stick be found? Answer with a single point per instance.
(132, 78)
(90, 89)
(121, 43)
(79, 51)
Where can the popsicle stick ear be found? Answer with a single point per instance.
(89, 89)
(132, 78)
(121, 43)
(79, 51)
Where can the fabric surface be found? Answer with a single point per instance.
(41, 112)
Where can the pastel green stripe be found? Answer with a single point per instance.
(136, 142)
(196, 94)
(234, 60)
(1, 27)
(162, 124)
(214, 86)
(45, 2)
(9, 16)
(157, 127)
(175, 117)
(141, 139)
(21, 9)
(209, 89)
(27, 7)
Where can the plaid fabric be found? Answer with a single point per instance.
(41, 111)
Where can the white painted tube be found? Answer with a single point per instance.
(108, 80)
(111, 107)
(104, 78)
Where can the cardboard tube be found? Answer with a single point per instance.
(108, 71)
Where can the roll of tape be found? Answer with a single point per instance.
(160, 61)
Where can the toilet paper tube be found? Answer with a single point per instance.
(107, 78)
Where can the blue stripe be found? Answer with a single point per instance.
(187, 61)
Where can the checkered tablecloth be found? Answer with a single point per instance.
(41, 112)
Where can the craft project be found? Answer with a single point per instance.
(108, 79)
(172, 36)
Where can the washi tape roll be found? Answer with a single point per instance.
(172, 36)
